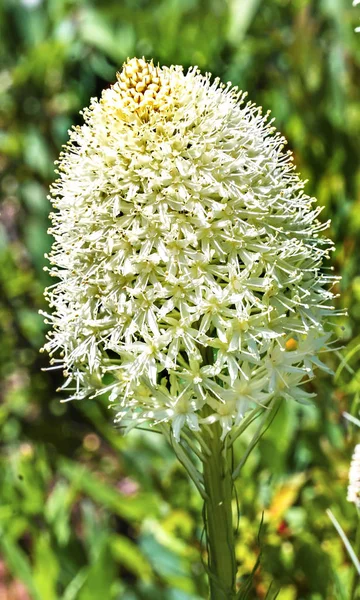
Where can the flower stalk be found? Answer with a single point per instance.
(355, 580)
(219, 528)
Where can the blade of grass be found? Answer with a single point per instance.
(345, 540)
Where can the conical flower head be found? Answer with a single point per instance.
(186, 253)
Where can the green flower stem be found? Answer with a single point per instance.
(355, 583)
(218, 518)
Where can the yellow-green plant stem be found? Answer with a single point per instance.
(218, 485)
(355, 583)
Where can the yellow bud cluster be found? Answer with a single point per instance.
(142, 85)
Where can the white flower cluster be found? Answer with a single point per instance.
(187, 256)
(355, 3)
(353, 494)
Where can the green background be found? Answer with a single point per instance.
(85, 513)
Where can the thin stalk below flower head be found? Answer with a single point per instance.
(187, 260)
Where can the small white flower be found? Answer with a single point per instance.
(355, 3)
(186, 253)
(353, 494)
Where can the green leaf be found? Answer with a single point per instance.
(72, 590)
(163, 560)
(19, 565)
(240, 17)
(135, 507)
(345, 540)
(46, 567)
(100, 577)
(131, 557)
(57, 511)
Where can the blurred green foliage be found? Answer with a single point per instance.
(84, 513)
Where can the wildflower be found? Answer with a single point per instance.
(353, 494)
(187, 255)
(355, 3)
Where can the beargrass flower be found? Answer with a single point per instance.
(189, 280)
(186, 254)
(353, 494)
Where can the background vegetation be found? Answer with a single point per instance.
(84, 513)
